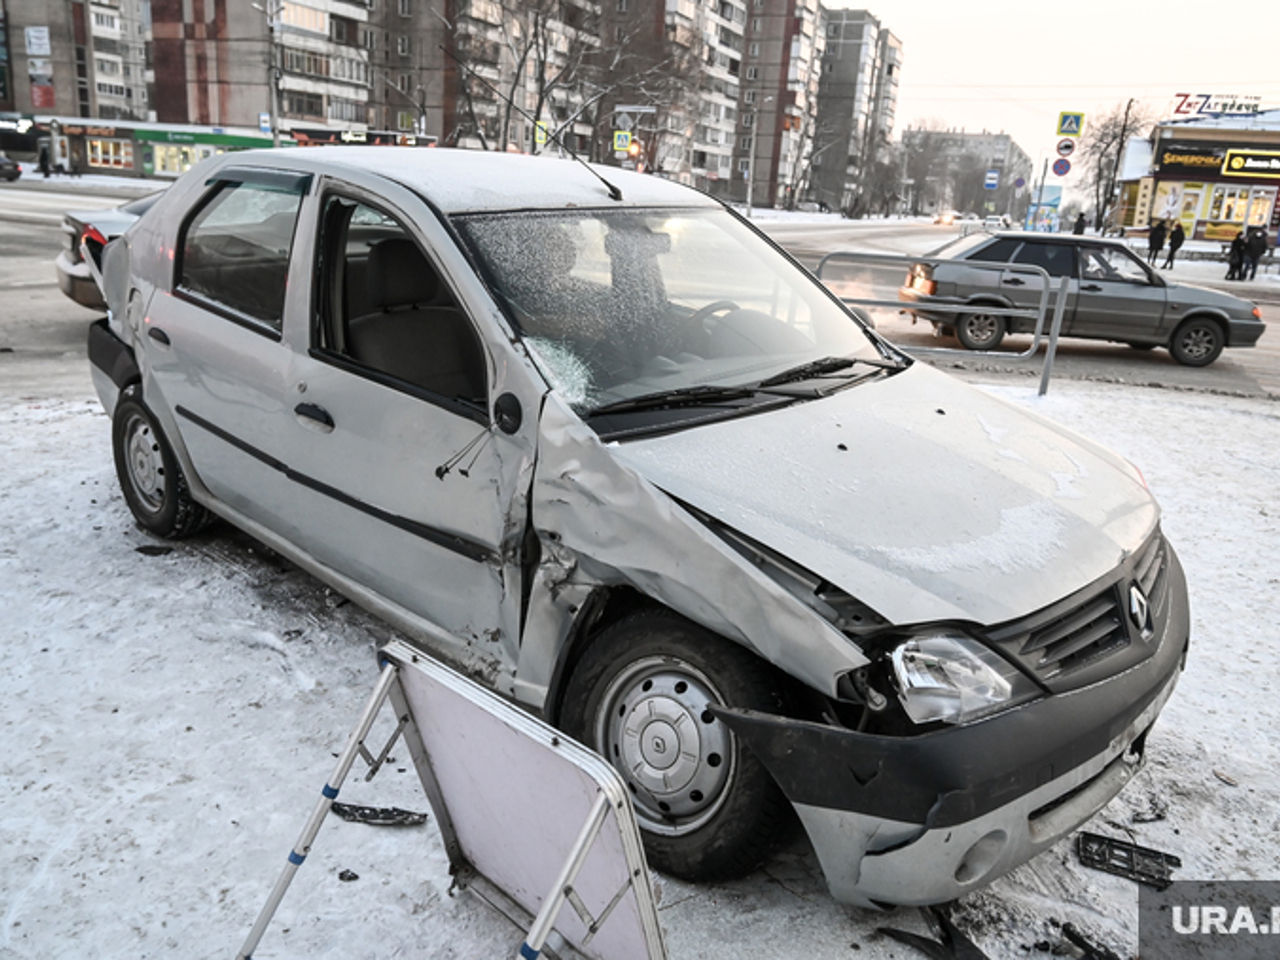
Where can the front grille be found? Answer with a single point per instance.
(1061, 643)
(1080, 636)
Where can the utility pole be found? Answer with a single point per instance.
(272, 11)
(751, 157)
(1035, 214)
(1115, 169)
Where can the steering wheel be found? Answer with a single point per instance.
(700, 316)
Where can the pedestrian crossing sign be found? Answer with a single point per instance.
(1070, 124)
(621, 140)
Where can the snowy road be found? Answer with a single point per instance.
(170, 710)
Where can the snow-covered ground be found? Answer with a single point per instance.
(169, 712)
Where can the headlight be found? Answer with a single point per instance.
(953, 678)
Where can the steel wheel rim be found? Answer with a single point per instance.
(676, 759)
(982, 327)
(1197, 342)
(144, 463)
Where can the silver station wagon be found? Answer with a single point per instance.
(588, 436)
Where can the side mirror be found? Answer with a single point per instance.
(507, 413)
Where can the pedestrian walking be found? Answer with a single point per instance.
(1176, 236)
(1255, 248)
(1235, 257)
(1155, 241)
(43, 162)
(1078, 229)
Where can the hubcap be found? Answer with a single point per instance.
(144, 463)
(982, 328)
(677, 759)
(1197, 343)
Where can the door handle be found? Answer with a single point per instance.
(1014, 282)
(1091, 287)
(314, 417)
(158, 335)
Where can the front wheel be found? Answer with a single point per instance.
(980, 331)
(1197, 343)
(150, 478)
(707, 808)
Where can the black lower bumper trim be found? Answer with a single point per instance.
(948, 777)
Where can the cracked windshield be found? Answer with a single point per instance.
(620, 304)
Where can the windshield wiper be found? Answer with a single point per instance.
(681, 397)
(818, 368)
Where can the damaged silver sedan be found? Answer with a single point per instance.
(589, 437)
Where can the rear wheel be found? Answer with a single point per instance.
(150, 478)
(1197, 343)
(980, 331)
(707, 808)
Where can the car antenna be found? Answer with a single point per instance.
(614, 192)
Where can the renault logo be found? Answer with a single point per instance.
(1140, 610)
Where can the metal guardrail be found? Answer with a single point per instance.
(959, 308)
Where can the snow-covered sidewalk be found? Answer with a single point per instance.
(171, 710)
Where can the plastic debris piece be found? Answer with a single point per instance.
(346, 876)
(1092, 951)
(379, 816)
(1125, 859)
(951, 944)
(1225, 779)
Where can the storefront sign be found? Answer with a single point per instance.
(1215, 105)
(38, 42)
(1196, 159)
(40, 74)
(1253, 164)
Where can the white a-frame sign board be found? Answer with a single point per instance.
(536, 823)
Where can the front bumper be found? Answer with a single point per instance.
(1244, 333)
(925, 819)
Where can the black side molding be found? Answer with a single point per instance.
(112, 355)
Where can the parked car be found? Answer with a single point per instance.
(590, 437)
(9, 169)
(995, 222)
(1111, 295)
(87, 232)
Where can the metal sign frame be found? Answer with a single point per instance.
(536, 824)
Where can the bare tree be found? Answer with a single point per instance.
(1101, 147)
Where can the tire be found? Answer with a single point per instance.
(149, 475)
(1197, 343)
(980, 331)
(712, 812)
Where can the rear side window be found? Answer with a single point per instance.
(235, 250)
(1057, 259)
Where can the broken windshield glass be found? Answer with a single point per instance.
(621, 303)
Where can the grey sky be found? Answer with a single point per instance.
(1011, 66)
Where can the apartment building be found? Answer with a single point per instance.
(857, 100)
(224, 62)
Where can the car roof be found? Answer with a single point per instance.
(464, 181)
(1058, 238)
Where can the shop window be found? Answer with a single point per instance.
(116, 154)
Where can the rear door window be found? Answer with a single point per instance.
(1057, 259)
(235, 250)
(998, 251)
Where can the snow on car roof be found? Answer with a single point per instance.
(460, 181)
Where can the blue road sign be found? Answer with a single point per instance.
(1070, 124)
(992, 180)
(1062, 167)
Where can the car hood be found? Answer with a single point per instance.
(923, 497)
(1206, 296)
